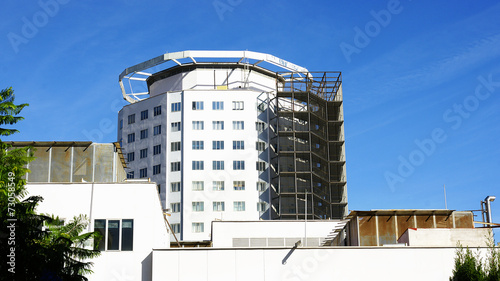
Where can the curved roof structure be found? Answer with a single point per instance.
(139, 72)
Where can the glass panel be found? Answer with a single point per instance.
(128, 235)
(113, 234)
(100, 226)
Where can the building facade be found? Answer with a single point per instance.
(227, 137)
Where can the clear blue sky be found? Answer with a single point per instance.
(421, 79)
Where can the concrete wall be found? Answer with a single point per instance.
(137, 201)
(467, 237)
(278, 232)
(339, 263)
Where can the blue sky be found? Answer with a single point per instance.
(421, 79)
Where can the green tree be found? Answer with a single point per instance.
(34, 246)
(471, 267)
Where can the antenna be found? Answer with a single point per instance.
(445, 205)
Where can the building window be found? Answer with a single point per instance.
(238, 105)
(144, 114)
(238, 125)
(260, 126)
(261, 166)
(218, 185)
(143, 173)
(260, 146)
(261, 186)
(239, 185)
(217, 145)
(131, 137)
(157, 110)
(157, 129)
(175, 166)
(239, 206)
(176, 126)
(175, 146)
(197, 105)
(144, 134)
(175, 186)
(176, 227)
(156, 169)
(198, 227)
(143, 153)
(238, 165)
(261, 206)
(111, 235)
(157, 149)
(198, 145)
(176, 207)
(130, 175)
(198, 206)
(198, 165)
(217, 165)
(131, 119)
(261, 107)
(218, 207)
(238, 145)
(198, 185)
(198, 125)
(218, 105)
(176, 106)
(218, 125)
(121, 124)
(130, 156)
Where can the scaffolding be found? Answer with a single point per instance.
(307, 147)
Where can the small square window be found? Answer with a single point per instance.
(218, 105)
(218, 125)
(198, 125)
(239, 185)
(130, 157)
(130, 175)
(198, 186)
(238, 125)
(198, 206)
(143, 173)
(175, 186)
(157, 110)
(260, 146)
(176, 207)
(198, 227)
(143, 153)
(197, 105)
(238, 145)
(176, 126)
(218, 185)
(198, 145)
(238, 165)
(144, 114)
(198, 165)
(157, 130)
(175, 166)
(157, 149)
(175, 146)
(217, 145)
(176, 106)
(217, 165)
(156, 169)
(144, 134)
(239, 206)
(131, 119)
(131, 137)
(218, 206)
(238, 105)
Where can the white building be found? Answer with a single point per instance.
(207, 131)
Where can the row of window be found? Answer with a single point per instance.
(144, 134)
(219, 125)
(143, 153)
(216, 105)
(217, 165)
(116, 235)
(144, 115)
(196, 227)
(217, 206)
(219, 145)
(216, 185)
(143, 173)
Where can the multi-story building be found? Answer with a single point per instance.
(226, 136)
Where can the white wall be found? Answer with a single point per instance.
(339, 263)
(291, 231)
(137, 201)
(448, 237)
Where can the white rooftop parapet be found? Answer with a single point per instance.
(190, 57)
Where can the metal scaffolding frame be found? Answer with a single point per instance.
(308, 156)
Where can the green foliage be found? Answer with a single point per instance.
(34, 246)
(471, 267)
(9, 111)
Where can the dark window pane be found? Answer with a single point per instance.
(113, 234)
(100, 226)
(128, 235)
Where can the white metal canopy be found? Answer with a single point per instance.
(240, 57)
